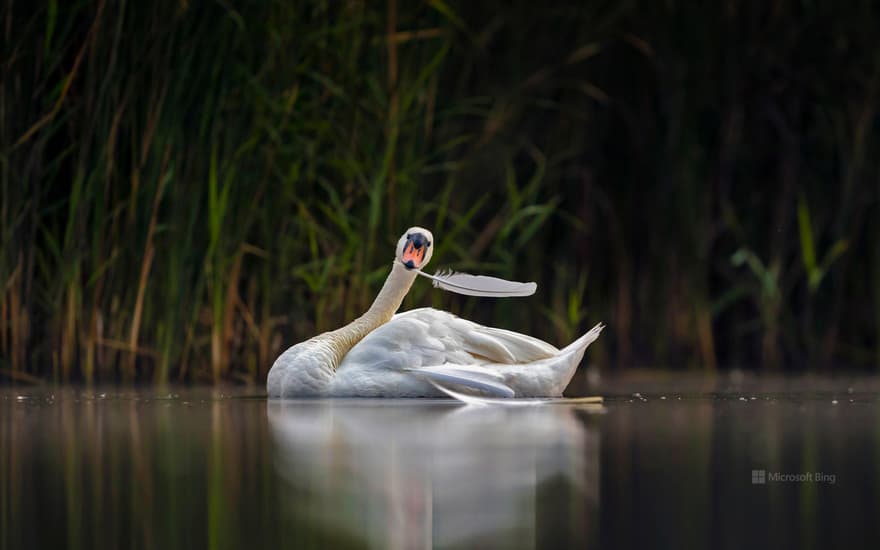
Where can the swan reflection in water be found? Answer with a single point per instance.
(410, 474)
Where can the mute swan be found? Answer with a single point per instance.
(420, 352)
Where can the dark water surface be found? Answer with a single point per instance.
(671, 466)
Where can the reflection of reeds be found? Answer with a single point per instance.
(90, 471)
(186, 188)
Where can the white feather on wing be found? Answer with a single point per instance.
(470, 376)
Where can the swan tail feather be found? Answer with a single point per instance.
(581, 343)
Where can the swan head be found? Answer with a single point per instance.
(415, 247)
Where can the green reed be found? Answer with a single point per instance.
(188, 188)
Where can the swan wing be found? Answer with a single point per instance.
(482, 343)
(472, 377)
(450, 349)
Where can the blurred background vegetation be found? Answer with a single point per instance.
(187, 188)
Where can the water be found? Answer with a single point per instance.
(664, 463)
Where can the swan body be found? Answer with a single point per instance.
(387, 363)
(416, 353)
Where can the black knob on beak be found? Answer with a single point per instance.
(418, 240)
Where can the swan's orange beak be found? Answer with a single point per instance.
(412, 256)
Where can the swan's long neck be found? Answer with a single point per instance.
(384, 306)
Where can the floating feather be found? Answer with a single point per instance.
(479, 285)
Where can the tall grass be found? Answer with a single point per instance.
(187, 188)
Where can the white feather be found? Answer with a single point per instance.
(470, 376)
(480, 285)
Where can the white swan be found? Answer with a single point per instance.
(415, 354)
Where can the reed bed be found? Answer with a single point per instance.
(186, 188)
